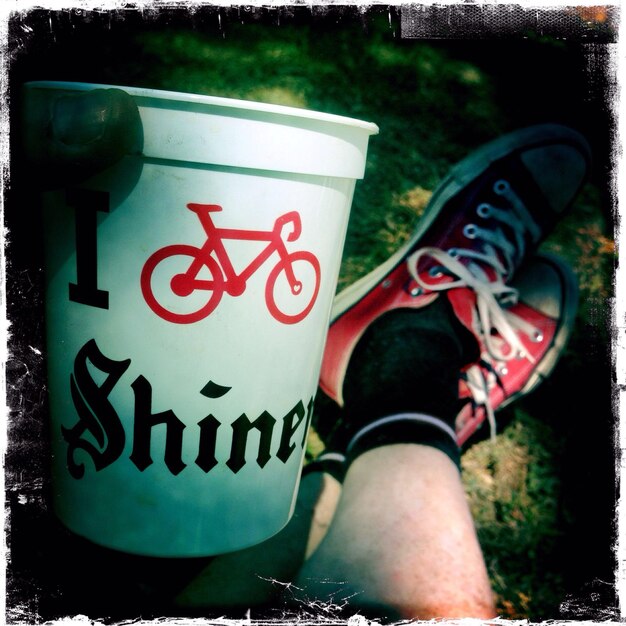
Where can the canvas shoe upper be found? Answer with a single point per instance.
(542, 319)
(482, 222)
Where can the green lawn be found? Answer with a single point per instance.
(542, 493)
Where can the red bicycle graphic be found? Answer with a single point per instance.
(176, 280)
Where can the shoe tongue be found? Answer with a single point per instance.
(463, 302)
(558, 171)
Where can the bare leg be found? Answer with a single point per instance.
(402, 542)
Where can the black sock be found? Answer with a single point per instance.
(329, 462)
(407, 363)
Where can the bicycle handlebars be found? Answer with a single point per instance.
(283, 220)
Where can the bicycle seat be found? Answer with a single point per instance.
(204, 208)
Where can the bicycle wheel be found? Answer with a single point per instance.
(296, 300)
(170, 279)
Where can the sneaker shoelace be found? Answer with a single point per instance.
(481, 378)
(480, 385)
(485, 272)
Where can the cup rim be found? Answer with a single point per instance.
(218, 101)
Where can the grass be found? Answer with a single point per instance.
(542, 494)
(513, 487)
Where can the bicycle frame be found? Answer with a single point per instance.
(235, 283)
(222, 276)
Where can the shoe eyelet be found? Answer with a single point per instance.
(484, 210)
(387, 283)
(415, 291)
(435, 272)
(453, 252)
(537, 336)
(501, 187)
(503, 370)
(470, 231)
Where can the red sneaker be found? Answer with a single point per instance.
(542, 319)
(482, 222)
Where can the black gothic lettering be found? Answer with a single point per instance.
(213, 390)
(286, 448)
(145, 421)
(206, 450)
(309, 417)
(87, 203)
(241, 427)
(96, 414)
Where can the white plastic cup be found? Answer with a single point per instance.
(181, 383)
